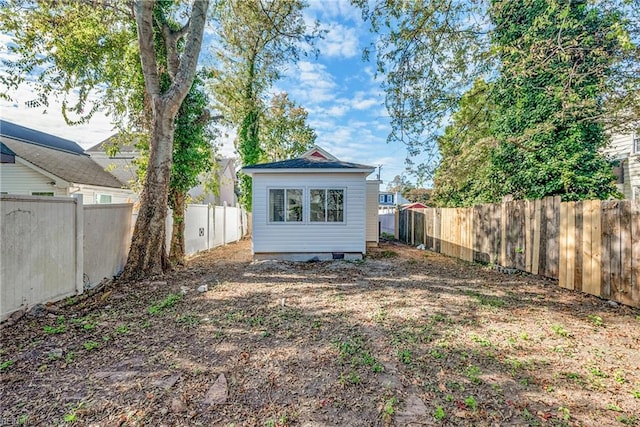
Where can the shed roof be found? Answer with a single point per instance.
(309, 162)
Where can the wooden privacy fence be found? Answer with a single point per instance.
(591, 246)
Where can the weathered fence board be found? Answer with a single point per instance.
(591, 246)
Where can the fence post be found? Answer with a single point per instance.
(224, 223)
(79, 243)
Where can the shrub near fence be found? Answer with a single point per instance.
(590, 246)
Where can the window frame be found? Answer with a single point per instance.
(285, 211)
(326, 205)
(99, 195)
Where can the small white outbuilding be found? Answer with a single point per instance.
(313, 207)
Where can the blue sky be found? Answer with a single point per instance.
(339, 90)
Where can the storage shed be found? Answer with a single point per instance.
(313, 207)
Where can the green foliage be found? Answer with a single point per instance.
(253, 42)
(169, 302)
(555, 59)
(284, 132)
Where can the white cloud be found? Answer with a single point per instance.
(339, 41)
(332, 9)
(313, 83)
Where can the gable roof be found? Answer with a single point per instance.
(53, 155)
(32, 136)
(309, 162)
(128, 147)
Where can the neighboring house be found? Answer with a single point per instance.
(313, 207)
(624, 151)
(121, 165)
(226, 171)
(388, 199)
(37, 163)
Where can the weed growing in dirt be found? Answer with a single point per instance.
(618, 376)
(169, 302)
(389, 254)
(486, 300)
(471, 403)
(596, 320)
(389, 408)
(59, 328)
(6, 365)
(404, 356)
(473, 373)
(122, 329)
(560, 330)
(188, 320)
(627, 420)
(482, 341)
(439, 413)
(84, 323)
(71, 416)
(90, 345)
(354, 352)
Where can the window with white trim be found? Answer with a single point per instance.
(636, 141)
(285, 205)
(42, 193)
(103, 198)
(326, 205)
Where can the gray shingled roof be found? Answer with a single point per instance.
(101, 147)
(70, 166)
(32, 136)
(304, 163)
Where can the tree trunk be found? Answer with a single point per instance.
(176, 254)
(148, 255)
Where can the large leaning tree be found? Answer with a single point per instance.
(147, 255)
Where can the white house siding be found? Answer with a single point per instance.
(16, 178)
(307, 237)
(621, 147)
(90, 194)
(373, 191)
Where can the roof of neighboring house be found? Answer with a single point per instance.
(56, 156)
(416, 205)
(32, 136)
(115, 139)
(315, 159)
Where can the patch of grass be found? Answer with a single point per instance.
(596, 372)
(6, 365)
(122, 329)
(473, 373)
(188, 320)
(72, 416)
(354, 352)
(560, 330)
(351, 378)
(627, 420)
(169, 302)
(439, 413)
(614, 407)
(596, 320)
(618, 376)
(636, 394)
(486, 300)
(389, 254)
(471, 403)
(69, 357)
(437, 354)
(380, 315)
(482, 341)
(90, 345)
(389, 408)
(58, 328)
(404, 356)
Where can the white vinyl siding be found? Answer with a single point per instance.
(373, 189)
(16, 178)
(310, 237)
(621, 147)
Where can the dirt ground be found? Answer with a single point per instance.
(405, 337)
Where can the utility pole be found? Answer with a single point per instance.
(379, 169)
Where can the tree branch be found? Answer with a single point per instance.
(144, 23)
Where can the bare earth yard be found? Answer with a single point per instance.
(406, 337)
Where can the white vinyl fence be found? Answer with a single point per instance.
(207, 227)
(54, 247)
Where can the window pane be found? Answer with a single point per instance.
(335, 206)
(294, 205)
(276, 205)
(317, 205)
